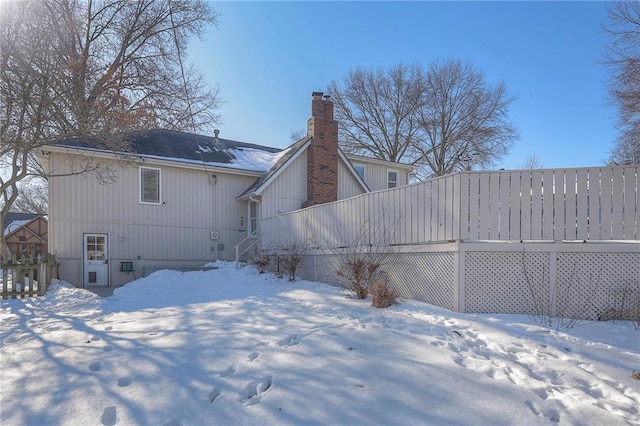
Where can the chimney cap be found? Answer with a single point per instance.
(326, 97)
(317, 94)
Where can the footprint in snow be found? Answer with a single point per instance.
(109, 328)
(553, 415)
(542, 393)
(213, 395)
(533, 407)
(124, 381)
(228, 371)
(253, 355)
(253, 392)
(109, 416)
(95, 366)
(292, 340)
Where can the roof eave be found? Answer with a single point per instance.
(258, 191)
(148, 159)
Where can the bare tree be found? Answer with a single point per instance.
(463, 116)
(376, 109)
(94, 67)
(433, 120)
(623, 60)
(32, 196)
(532, 162)
(297, 134)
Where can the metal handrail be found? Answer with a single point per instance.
(237, 247)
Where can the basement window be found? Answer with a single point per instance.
(149, 185)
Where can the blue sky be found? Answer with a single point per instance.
(269, 56)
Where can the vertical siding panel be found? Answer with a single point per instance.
(536, 205)
(405, 200)
(630, 203)
(474, 205)
(484, 223)
(636, 172)
(617, 215)
(582, 203)
(423, 216)
(515, 205)
(414, 195)
(455, 192)
(504, 210)
(448, 207)
(441, 209)
(464, 207)
(606, 201)
(548, 208)
(559, 199)
(525, 205)
(382, 218)
(494, 205)
(398, 216)
(571, 209)
(594, 211)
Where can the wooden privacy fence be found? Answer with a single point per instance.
(595, 203)
(29, 279)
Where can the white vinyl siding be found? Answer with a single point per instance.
(348, 185)
(149, 185)
(288, 190)
(376, 174)
(192, 205)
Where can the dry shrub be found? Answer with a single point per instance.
(359, 275)
(291, 258)
(382, 295)
(262, 262)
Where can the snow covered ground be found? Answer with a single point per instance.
(233, 347)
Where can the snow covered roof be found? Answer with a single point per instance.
(282, 160)
(15, 220)
(189, 147)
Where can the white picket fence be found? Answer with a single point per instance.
(595, 203)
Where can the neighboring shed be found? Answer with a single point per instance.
(26, 235)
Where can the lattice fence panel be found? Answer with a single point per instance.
(597, 286)
(506, 282)
(427, 277)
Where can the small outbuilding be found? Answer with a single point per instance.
(26, 235)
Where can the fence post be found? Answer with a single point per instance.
(43, 278)
(5, 281)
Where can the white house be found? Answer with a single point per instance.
(188, 199)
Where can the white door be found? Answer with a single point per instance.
(96, 259)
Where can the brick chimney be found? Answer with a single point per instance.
(322, 154)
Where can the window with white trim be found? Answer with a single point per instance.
(149, 185)
(392, 179)
(360, 169)
(253, 217)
